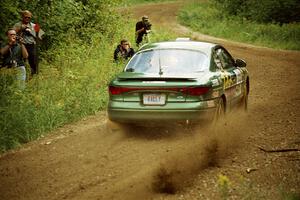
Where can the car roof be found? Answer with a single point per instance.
(204, 47)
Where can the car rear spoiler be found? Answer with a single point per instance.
(142, 76)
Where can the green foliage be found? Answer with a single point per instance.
(281, 11)
(231, 7)
(134, 2)
(207, 19)
(61, 18)
(8, 15)
(275, 11)
(224, 185)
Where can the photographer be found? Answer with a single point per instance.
(142, 28)
(123, 51)
(14, 53)
(28, 31)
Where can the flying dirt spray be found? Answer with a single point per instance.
(205, 148)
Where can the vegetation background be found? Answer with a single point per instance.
(76, 54)
(271, 23)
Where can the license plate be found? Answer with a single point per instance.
(154, 99)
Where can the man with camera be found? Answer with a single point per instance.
(14, 53)
(123, 51)
(142, 28)
(28, 31)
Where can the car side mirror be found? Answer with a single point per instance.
(240, 63)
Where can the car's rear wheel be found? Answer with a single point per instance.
(220, 110)
(244, 101)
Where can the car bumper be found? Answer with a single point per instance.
(128, 113)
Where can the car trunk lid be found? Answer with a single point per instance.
(154, 90)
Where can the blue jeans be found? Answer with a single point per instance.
(21, 76)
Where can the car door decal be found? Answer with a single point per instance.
(229, 83)
(215, 82)
(239, 80)
(239, 76)
(227, 80)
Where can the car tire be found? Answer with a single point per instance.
(220, 110)
(244, 100)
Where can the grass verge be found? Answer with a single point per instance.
(205, 18)
(134, 2)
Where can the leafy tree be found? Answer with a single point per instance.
(60, 19)
(281, 11)
(231, 7)
(275, 11)
(8, 14)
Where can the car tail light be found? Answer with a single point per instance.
(196, 91)
(193, 91)
(116, 90)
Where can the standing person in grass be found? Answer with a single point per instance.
(123, 51)
(14, 53)
(142, 28)
(30, 32)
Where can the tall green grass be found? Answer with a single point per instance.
(205, 18)
(134, 2)
(71, 86)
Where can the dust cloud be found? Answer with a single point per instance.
(206, 147)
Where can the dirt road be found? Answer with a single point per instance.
(84, 161)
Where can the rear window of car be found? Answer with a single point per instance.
(168, 61)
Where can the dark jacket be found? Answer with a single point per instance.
(139, 25)
(120, 53)
(13, 57)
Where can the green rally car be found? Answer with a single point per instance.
(178, 81)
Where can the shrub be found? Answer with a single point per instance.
(208, 19)
(61, 18)
(275, 11)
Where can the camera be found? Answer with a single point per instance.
(147, 25)
(25, 30)
(25, 27)
(13, 63)
(19, 39)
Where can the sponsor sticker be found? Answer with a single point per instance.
(239, 77)
(215, 82)
(238, 90)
